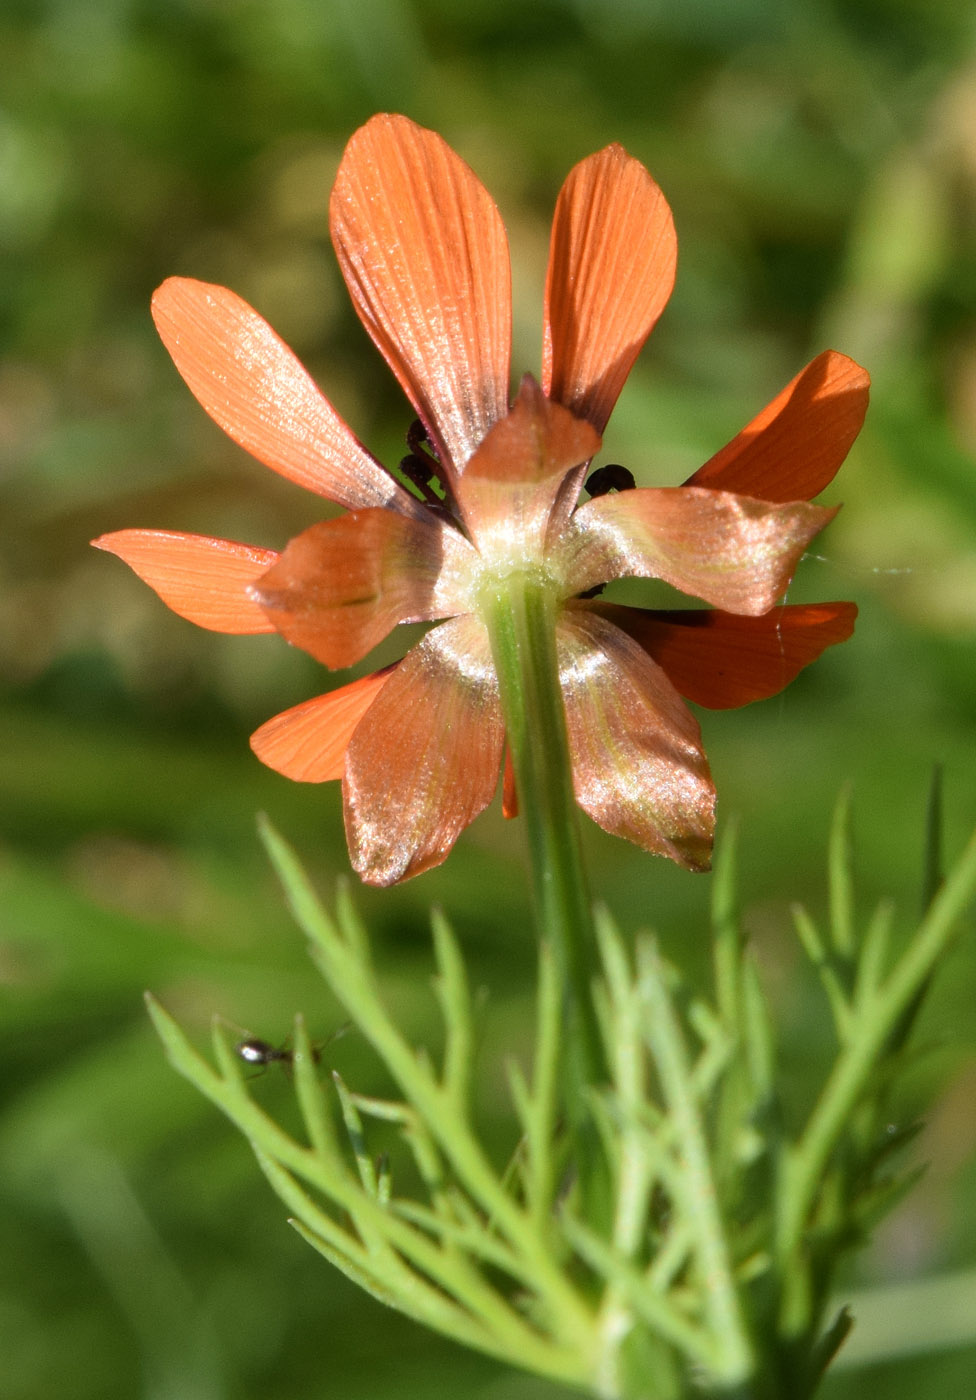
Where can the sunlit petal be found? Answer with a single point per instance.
(425, 257)
(203, 579)
(638, 765)
(424, 760)
(340, 587)
(254, 387)
(735, 552)
(722, 661)
(611, 269)
(308, 742)
(511, 483)
(792, 450)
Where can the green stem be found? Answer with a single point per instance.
(520, 613)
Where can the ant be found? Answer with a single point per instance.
(261, 1053)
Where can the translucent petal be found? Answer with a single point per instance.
(425, 258)
(792, 450)
(424, 760)
(638, 765)
(611, 269)
(203, 579)
(722, 661)
(255, 389)
(512, 482)
(308, 742)
(340, 587)
(735, 552)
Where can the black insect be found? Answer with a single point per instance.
(261, 1053)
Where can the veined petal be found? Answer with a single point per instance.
(340, 587)
(424, 760)
(203, 579)
(792, 450)
(612, 262)
(722, 661)
(425, 257)
(638, 765)
(512, 482)
(255, 389)
(735, 552)
(308, 742)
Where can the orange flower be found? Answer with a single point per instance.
(418, 746)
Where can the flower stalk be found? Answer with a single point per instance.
(520, 611)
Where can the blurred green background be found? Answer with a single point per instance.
(821, 163)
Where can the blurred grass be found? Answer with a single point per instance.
(821, 162)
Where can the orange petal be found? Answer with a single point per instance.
(793, 449)
(308, 743)
(424, 760)
(733, 551)
(204, 580)
(512, 482)
(638, 765)
(254, 387)
(425, 258)
(340, 587)
(612, 261)
(722, 661)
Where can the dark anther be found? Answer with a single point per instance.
(419, 471)
(612, 477)
(419, 442)
(422, 466)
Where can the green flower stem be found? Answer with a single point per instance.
(520, 613)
